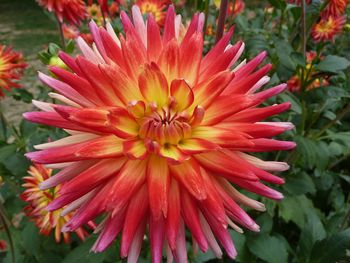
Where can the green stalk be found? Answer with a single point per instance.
(59, 25)
(206, 12)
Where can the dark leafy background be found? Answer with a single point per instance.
(311, 225)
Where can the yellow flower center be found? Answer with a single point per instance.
(152, 8)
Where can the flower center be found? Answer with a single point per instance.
(165, 127)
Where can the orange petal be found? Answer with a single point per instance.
(182, 93)
(158, 181)
(190, 57)
(196, 145)
(172, 153)
(208, 90)
(169, 60)
(103, 147)
(173, 217)
(188, 174)
(136, 108)
(153, 85)
(135, 149)
(125, 125)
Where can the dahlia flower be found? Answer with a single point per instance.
(11, 68)
(155, 7)
(160, 137)
(334, 8)
(234, 7)
(327, 28)
(38, 200)
(70, 31)
(94, 12)
(71, 10)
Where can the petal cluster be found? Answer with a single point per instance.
(160, 136)
(335, 8)
(155, 7)
(327, 28)
(38, 200)
(71, 10)
(12, 66)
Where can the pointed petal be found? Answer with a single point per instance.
(153, 85)
(173, 217)
(135, 214)
(188, 174)
(182, 93)
(135, 149)
(158, 180)
(190, 215)
(102, 147)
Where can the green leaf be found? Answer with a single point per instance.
(30, 239)
(298, 58)
(297, 209)
(6, 151)
(333, 64)
(300, 184)
(280, 4)
(17, 164)
(70, 46)
(82, 253)
(268, 248)
(331, 249)
(288, 97)
(312, 232)
(54, 49)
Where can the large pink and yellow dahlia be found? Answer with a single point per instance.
(160, 137)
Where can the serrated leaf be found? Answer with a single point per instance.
(298, 58)
(296, 209)
(333, 64)
(268, 248)
(30, 240)
(53, 49)
(82, 253)
(312, 232)
(6, 151)
(288, 97)
(300, 184)
(331, 249)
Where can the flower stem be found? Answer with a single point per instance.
(222, 18)
(340, 115)
(59, 25)
(103, 17)
(303, 27)
(6, 226)
(206, 11)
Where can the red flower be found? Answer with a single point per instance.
(38, 199)
(334, 8)
(160, 137)
(11, 68)
(3, 245)
(327, 28)
(235, 7)
(155, 7)
(71, 10)
(70, 32)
